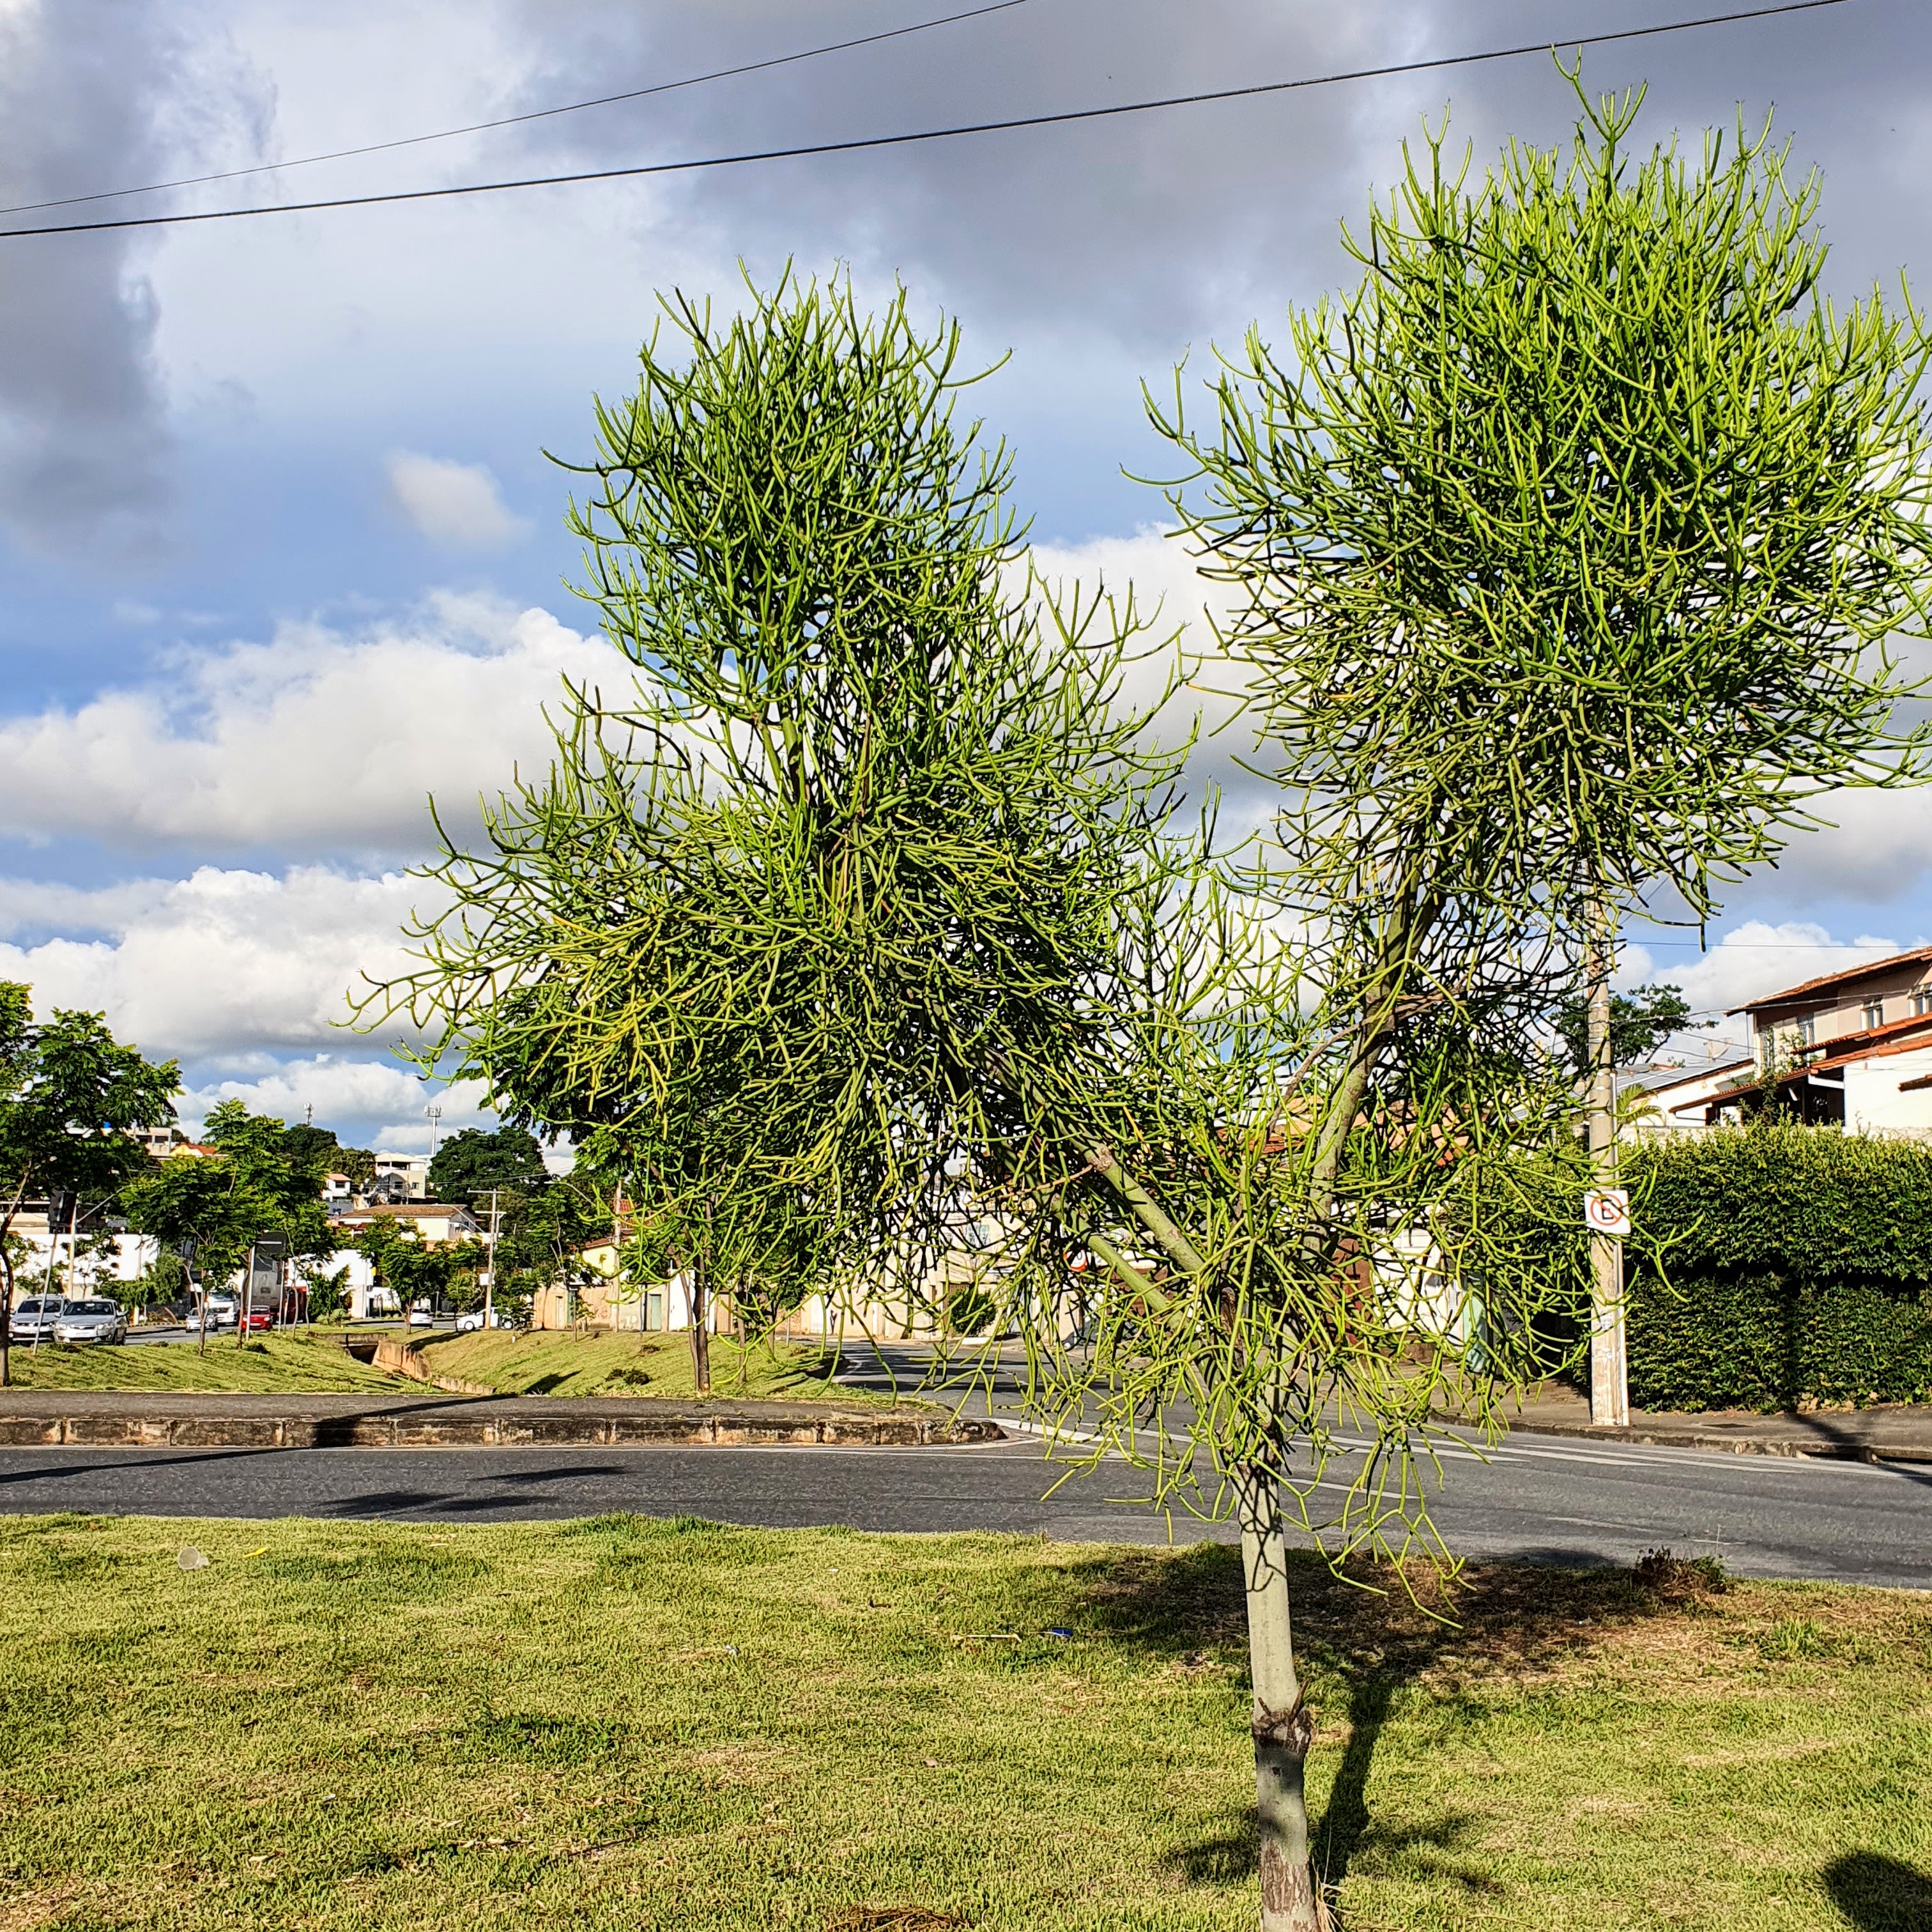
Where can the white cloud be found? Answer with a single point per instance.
(321, 740)
(455, 503)
(1751, 960)
(219, 963)
(1170, 595)
(366, 1103)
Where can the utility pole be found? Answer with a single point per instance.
(1609, 1368)
(490, 1277)
(434, 1116)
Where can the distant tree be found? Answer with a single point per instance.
(540, 1237)
(313, 1149)
(224, 1202)
(69, 1094)
(1641, 1021)
(359, 1164)
(328, 1292)
(471, 1162)
(414, 1270)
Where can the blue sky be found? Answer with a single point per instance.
(280, 552)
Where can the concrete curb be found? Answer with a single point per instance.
(1809, 1449)
(528, 1427)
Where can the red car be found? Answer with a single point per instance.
(258, 1321)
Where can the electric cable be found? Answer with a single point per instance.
(863, 142)
(517, 120)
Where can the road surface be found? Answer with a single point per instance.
(1548, 1501)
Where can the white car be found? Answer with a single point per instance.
(34, 1319)
(91, 1322)
(468, 1324)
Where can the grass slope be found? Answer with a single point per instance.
(560, 1362)
(292, 1362)
(616, 1723)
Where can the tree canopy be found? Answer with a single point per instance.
(69, 1095)
(472, 1162)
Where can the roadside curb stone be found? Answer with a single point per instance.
(1886, 1433)
(52, 1418)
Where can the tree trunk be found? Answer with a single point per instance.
(1610, 1378)
(6, 1317)
(701, 1341)
(1282, 1724)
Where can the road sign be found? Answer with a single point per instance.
(1606, 1211)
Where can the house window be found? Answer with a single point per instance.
(1874, 1013)
(1922, 1000)
(1804, 1032)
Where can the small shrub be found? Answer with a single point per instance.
(1672, 1576)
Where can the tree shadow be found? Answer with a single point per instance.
(1366, 1629)
(1877, 1894)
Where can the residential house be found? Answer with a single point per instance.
(435, 1221)
(1852, 1048)
(409, 1171)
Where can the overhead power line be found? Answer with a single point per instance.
(862, 143)
(517, 120)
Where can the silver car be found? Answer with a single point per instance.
(34, 1318)
(91, 1322)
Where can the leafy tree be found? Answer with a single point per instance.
(540, 1237)
(328, 1291)
(223, 1203)
(1641, 1021)
(69, 1093)
(359, 1164)
(414, 1270)
(313, 1149)
(471, 1162)
(869, 905)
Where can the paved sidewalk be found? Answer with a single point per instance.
(109, 1418)
(1886, 1433)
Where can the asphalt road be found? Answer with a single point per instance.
(1572, 1503)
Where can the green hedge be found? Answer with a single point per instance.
(1772, 1266)
(1766, 1341)
(1783, 1264)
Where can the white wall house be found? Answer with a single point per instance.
(1851, 1049)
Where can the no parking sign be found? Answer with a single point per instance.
(1606, 1211)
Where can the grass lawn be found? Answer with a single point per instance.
(561, 1362)
(618, 1723)
(298, 1361)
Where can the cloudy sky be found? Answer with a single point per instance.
(281, 554)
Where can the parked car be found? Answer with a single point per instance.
(91, 1322)
(468, 1324)
(34, 1318)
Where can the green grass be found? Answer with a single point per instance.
(296, 1362)
(561, 1362)
(617, 1723)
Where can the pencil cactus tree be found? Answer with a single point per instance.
(1565, 554)
(862, 905)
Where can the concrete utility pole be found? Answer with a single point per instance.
(434, 1116)
(1609, 1372)
(490, 1275)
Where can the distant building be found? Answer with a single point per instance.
(411, 1170)
(1851, 1049)
(435, 1221)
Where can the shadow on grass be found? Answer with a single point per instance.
(1368, 1634)
(1877, 1894)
